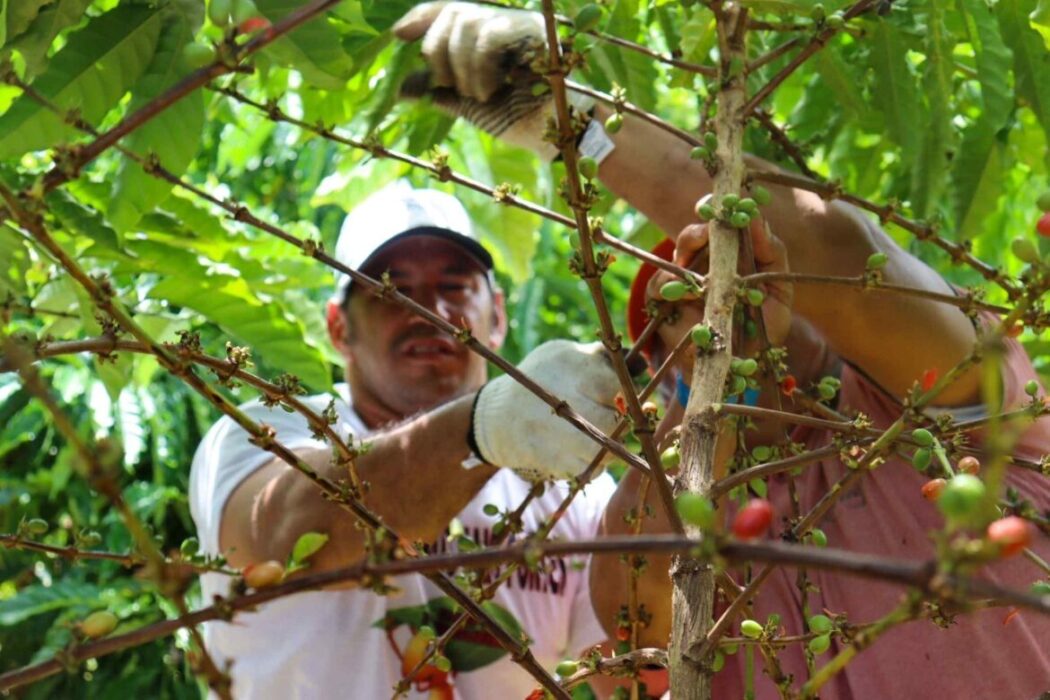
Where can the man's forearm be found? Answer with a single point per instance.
(888, 335)
(415, 483)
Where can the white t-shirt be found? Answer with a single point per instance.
(350, 643)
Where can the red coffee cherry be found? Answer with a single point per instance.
(1011, 533)
(753, 520)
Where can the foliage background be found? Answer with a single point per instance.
(937, 105)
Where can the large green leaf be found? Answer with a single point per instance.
(263, 326)
(17, 15)
(894, 88)
(91, 73)
(315, 49)
(1031, 59)
(632, 71)
(930, 175)
(977, 176)
(37, 599)
(173, 136)
(13, 261)
(35, 41)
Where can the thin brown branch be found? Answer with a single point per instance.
(83, 155)
(918, 574)
(579, 201)
(819, 40)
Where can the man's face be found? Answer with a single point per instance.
(397, 359)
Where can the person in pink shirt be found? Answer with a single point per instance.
(990, 653)
(877, 345)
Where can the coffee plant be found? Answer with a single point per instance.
(172, 175)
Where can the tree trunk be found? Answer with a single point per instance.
(694, 588)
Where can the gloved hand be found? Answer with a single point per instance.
(479, 58)
(514, 428)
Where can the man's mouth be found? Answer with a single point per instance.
(429, 348)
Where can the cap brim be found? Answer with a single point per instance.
(471, 246)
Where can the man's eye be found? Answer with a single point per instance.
(453, 287)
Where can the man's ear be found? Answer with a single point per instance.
(499, 319)
(337, 325)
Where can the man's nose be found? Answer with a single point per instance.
(430, 298)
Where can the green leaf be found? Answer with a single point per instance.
(263, 326)
(894, 88)
(977, 173)
(17, 15)
(37, 599)
(930, 175)
(1031, 59)
(13, 262)
(91, 73)
(173, 136)
(35, 41)
(315, 49)
(306, 546)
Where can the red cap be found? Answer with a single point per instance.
(637, 318)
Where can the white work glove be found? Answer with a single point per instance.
(479, 58)
(513, 428)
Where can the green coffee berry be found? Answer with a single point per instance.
(442, 663)
(740, 219)
(614, 123)
(754, 297)
(699, 153)
(696, 510)
(821, 624)
(876, 261)
(587, 18)
(921, 459)
(747, 204)
(567, 668)
(705, 212)
(490, 509)
(751, 629)
(730, 201)
(737, 385)
(711, 141)
(718, 662)
(673, 290)
(1031, 387)
(190, 546)
(588, 167)
(745, 367)
(961, 496)
(820, 644)
(923, 437)
(701, 336)
(1025, 250)
(761, 195)
(818, 536)
(37, 526)
(836, 21)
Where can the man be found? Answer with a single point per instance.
(412, 394)
(878, 345)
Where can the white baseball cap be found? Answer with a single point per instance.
(399, 211)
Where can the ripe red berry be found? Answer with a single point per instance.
(753, 520)
(969, 465)
(621, 404)
(623, 633)
(929, 378)
(1011, 533)
(788, 385)
(932, 489)
(1042, 226)
(253, 24)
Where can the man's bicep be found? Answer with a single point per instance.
(274, 506)
(244, 516)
